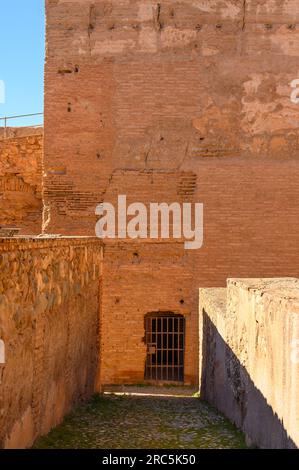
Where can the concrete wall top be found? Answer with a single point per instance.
(284, 288)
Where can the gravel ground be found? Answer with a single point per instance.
(144, 418)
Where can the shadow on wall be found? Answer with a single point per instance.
(226, 384)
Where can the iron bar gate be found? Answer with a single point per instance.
(165, 341)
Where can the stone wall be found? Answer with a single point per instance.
(249, 368)
(49, 316)
(21, 152)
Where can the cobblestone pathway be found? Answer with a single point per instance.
(144, 421)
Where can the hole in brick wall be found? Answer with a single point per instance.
(117, 300)
(161, 139)
(268, 26)
(182, 301)
(201, 139)
(198, 27)
(218, 26)
(136, 258)
(63, 71)
(70, 70)
(291, 26)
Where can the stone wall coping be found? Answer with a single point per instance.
(214, 299)
(281, 288)
(31, 242)
(18, 132)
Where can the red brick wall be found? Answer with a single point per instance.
(137, 95)
(212, 80)
(142, 278)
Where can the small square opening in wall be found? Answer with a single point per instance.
(165, 341)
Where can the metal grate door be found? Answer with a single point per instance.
(165, 341)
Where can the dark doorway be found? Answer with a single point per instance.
(165, 341)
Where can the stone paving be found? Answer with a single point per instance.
(144, 418)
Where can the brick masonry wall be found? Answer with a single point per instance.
(174, 101)
(49, 316)
(142, 278)
(21, 179)
(249, 357)
(167, 85)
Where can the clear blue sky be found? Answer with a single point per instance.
(22, 49)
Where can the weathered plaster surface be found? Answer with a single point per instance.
(249, 357)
